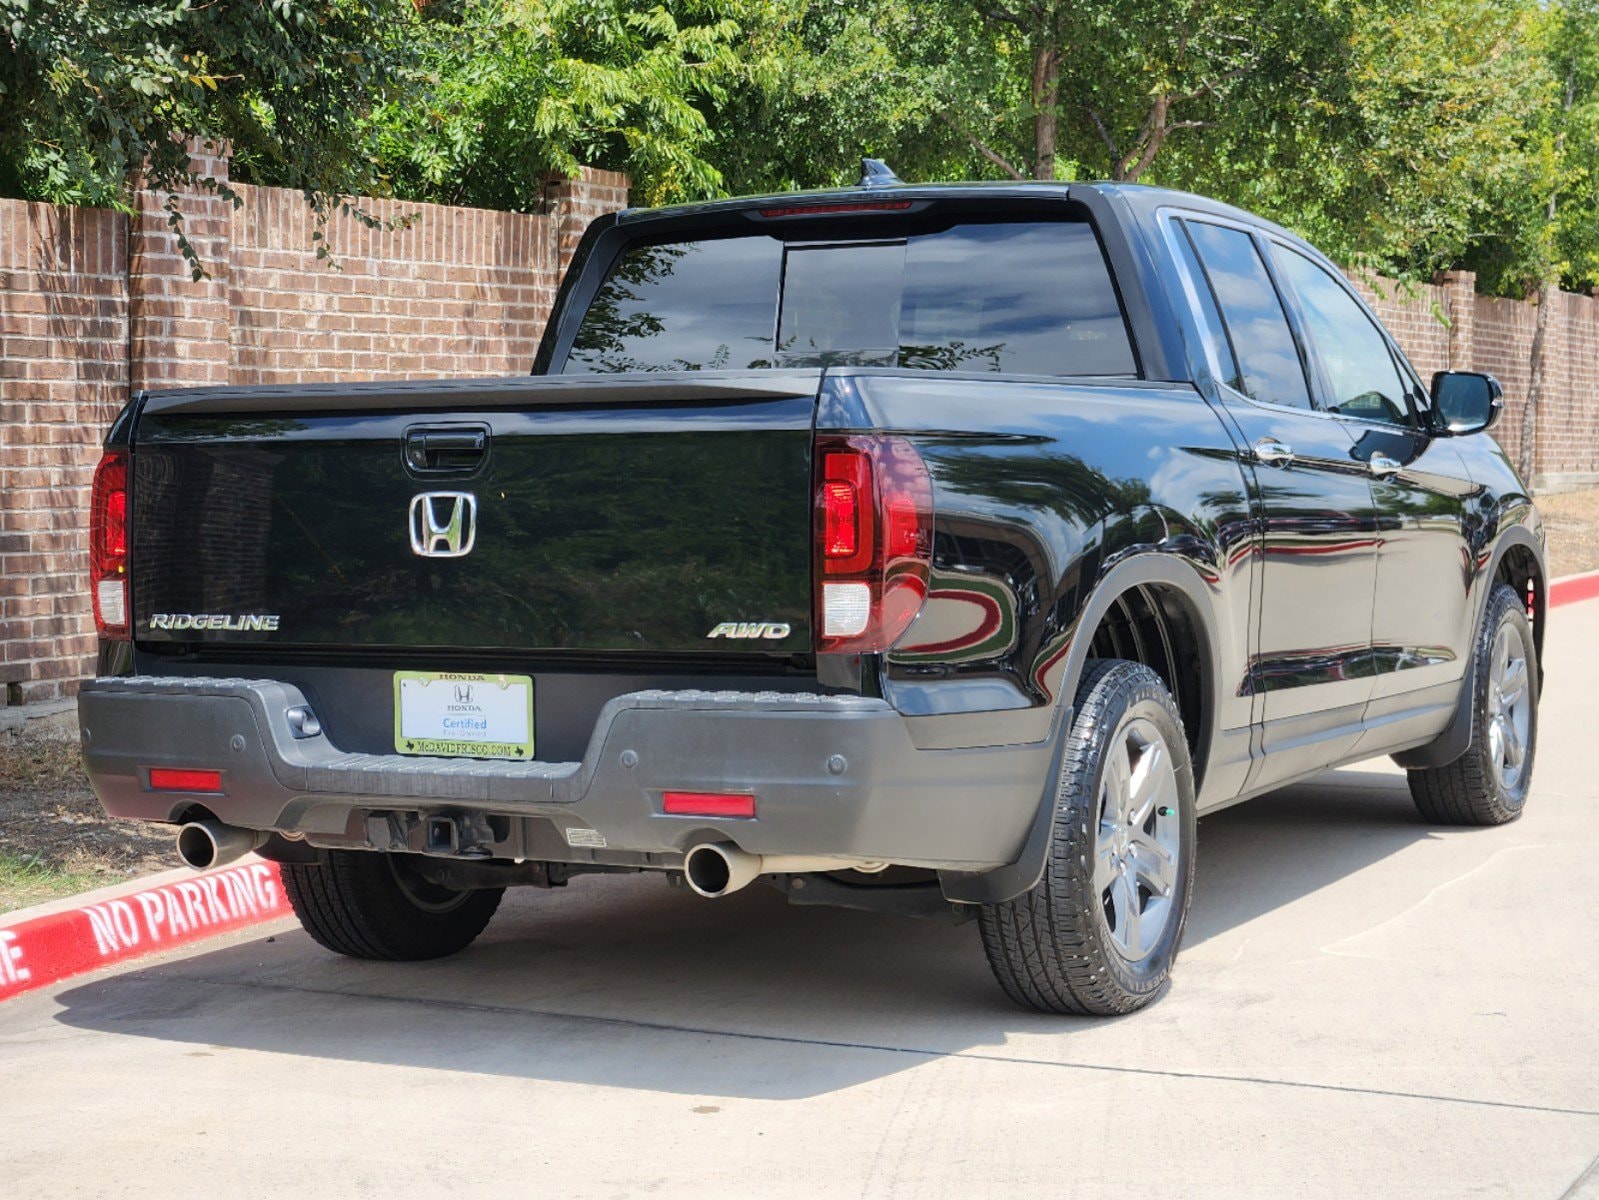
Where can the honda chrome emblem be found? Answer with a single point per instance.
(443, 524)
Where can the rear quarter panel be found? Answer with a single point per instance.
(1041, 489)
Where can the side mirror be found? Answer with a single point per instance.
(1465, 401)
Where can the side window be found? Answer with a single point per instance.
(1209, 315)
(1360, 368)
(1268, 359)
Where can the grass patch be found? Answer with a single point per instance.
(55, 839)
(40, 762)
(30, 880)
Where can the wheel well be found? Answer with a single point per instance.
(1157, 626)
(1518, 567)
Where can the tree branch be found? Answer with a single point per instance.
(1104, 136)
(997, 13)
(1207, 86)
(997, 159)
(1151, 137)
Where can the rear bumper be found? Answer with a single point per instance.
(834, 776)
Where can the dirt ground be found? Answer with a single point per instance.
(1573, 522)
(54, 838)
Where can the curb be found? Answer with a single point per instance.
(116, 925)
(1571, 588)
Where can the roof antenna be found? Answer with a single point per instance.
(875, 173)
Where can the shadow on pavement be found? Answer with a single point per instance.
(621, 982)
(1260, 855)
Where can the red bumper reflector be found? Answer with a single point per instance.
(707, 804)
(175, 779)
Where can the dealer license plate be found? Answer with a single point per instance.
(463, 716)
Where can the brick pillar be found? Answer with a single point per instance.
(1558, 411)
(1460, 306)
(179, 327)
(573, 203)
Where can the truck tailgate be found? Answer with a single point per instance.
(631, 515)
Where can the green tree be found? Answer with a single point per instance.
(839, 80)
(1380, 129)
(1427, 113)
(92, 91)
(1114, 82)
(1548, 236)
(523, 88)
(1026, 90)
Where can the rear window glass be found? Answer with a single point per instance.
(1020, 297)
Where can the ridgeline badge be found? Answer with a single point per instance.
(233, 622)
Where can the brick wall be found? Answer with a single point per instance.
(442, 291)
(92, 302)
(457, 292)
(63, 378)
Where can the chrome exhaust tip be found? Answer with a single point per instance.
(714, 869)
(206, 844)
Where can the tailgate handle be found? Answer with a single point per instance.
(451, 449)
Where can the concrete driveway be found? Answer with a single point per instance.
(1364, 1006)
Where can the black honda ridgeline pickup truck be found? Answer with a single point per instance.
(921, 549)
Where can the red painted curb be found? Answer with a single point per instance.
(1573, 588)
(45, 950)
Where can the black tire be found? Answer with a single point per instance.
(1053, 948)
(1472, 790)
(369, 905)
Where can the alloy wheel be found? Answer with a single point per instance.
(1137, 848)
(1509, 708)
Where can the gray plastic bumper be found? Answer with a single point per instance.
(833, 775)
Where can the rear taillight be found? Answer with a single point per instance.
(874, 541)
(108, 545)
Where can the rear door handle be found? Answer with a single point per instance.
(1273, 453)
(1382, 466)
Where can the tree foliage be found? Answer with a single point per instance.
(1388, 132)
(95, 91)
(523, 88)
(1387, 151)
(1398, 136)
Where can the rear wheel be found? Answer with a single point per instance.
(1487, 785)
(1099, 931)
(370, 905)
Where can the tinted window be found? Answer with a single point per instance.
(684, 306)
(1032, 299)
(1020, 297)
(1360, 369)
(841, 305)
(1261, 339)
(1209, 316)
